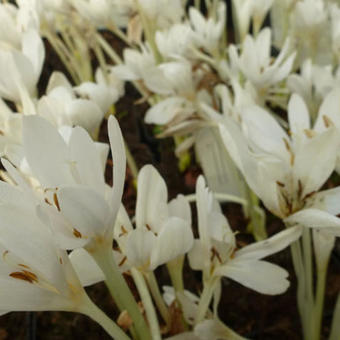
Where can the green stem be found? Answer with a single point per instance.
(299, 271)
(90, 309)
(119, 289)
(147, 303)
(175, 268)
(157, 296)
(207, 294)
(319, 301)
(308, 266)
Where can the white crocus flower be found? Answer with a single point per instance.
(256, 63)
(216, 254)
(84, 105)
(136, 65)
(82, 207)
(311, 32)
(208, 32)
(163, 13)
(177, 41)
(34, 273)
(22, 68)
(282, 169)
(163, 230)
(313, 84)
(246, 10)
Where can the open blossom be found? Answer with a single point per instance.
(70, 179)
(35, 274)
(256, 63)
(280, 168)
(84, 105)
(163, 230)
(22, 67)
(216, 254)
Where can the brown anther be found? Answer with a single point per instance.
(124, 231)
(280, 184)
(309, 195)
(214, 253)
(77, 233)
(47, 201)
(287, 144)
(122, 261)
(148, 227)
(2, 133)
(25, 276)
(60, 260)
(327, 121)
(56, 202)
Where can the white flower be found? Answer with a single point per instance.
(283, 170)
(256, 64)
(245, 10)
(208, 32)
(84, 105)
(34, 273)
(215, 252)
(163, 230)
(81, 207)
(20, 68)
(311, 31)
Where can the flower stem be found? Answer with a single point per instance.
(90, 309)
(147, 303)
(335, 329)
(157, 296)
(205, 299)
(119, 289)
(319, 301)
(175, 268)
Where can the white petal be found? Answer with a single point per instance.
(174, 239)
(139, 245)
(298, 115)
(152, 197)
(46, 152)
(87, 159)
(261, 276)
(180, 207)
(272, 245)
(315, 218)
(86, 210)
(119, 165)
(86, 268)
(315, 160)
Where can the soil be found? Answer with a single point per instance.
(249, 313)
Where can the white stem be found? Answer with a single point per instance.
(147, 303)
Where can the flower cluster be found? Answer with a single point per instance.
(261, 111)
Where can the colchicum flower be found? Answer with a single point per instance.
(215, 253)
